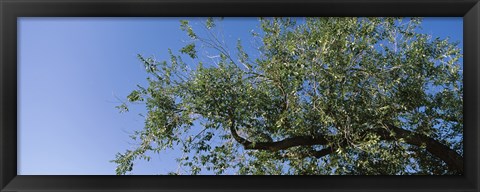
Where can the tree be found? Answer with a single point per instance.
(359, 96)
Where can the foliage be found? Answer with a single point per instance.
(363, 96)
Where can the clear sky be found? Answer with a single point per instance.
(71, 72)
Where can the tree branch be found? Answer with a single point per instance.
(449, 156)
(278, 145)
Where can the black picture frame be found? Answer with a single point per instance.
(10, 10)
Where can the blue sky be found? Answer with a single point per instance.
(71, 72)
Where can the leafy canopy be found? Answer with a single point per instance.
(322, 96)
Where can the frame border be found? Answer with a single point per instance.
(10, 10)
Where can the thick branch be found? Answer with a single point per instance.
(449, 156)
(278, 145)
